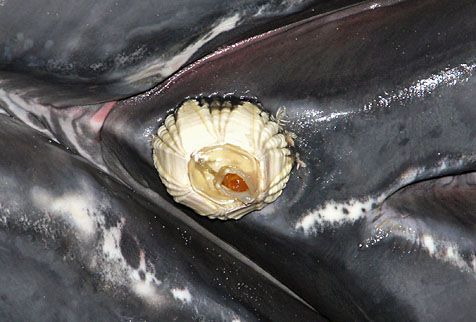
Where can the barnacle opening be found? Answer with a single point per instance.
(225, 173)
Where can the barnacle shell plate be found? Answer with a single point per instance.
(222, 160)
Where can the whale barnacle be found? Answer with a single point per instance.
(222, 159)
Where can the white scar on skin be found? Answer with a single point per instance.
(289, 5)
(83, 212)
(182, 295)
(146, 288)
(447, 252)
(115, 269)
(335, 213)
(443, 250)
(338, 213)
(419, 235)
(166, 66)
(73, 208)
(428, 242)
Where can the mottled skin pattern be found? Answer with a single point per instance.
(381, 96)
(65, 273)
(354, 143)
(83, 52)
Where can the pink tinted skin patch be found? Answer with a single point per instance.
(98, 118)
(102, 113)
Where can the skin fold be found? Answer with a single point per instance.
(378, 226)
(86, 247)
(65, 53)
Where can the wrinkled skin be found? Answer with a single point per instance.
(381, 95)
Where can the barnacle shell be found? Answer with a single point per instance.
(222, 160)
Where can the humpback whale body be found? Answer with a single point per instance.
(378, 225)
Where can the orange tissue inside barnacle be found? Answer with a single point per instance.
(225, 173)
(234, 182)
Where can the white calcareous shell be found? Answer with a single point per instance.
(222, 160)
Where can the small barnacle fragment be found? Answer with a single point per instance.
(290, 137)
(299, 163)
(222, 160)
(281, 116)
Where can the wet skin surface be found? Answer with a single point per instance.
(82, 52)
(381, 96)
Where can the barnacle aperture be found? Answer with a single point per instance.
(220, 159)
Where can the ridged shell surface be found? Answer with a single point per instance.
(222, 160)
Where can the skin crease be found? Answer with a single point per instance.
(73, 270)
(64, 267)
(66, 53)
(375, 106)
(380, 96)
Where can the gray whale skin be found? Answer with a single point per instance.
(379, 225)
